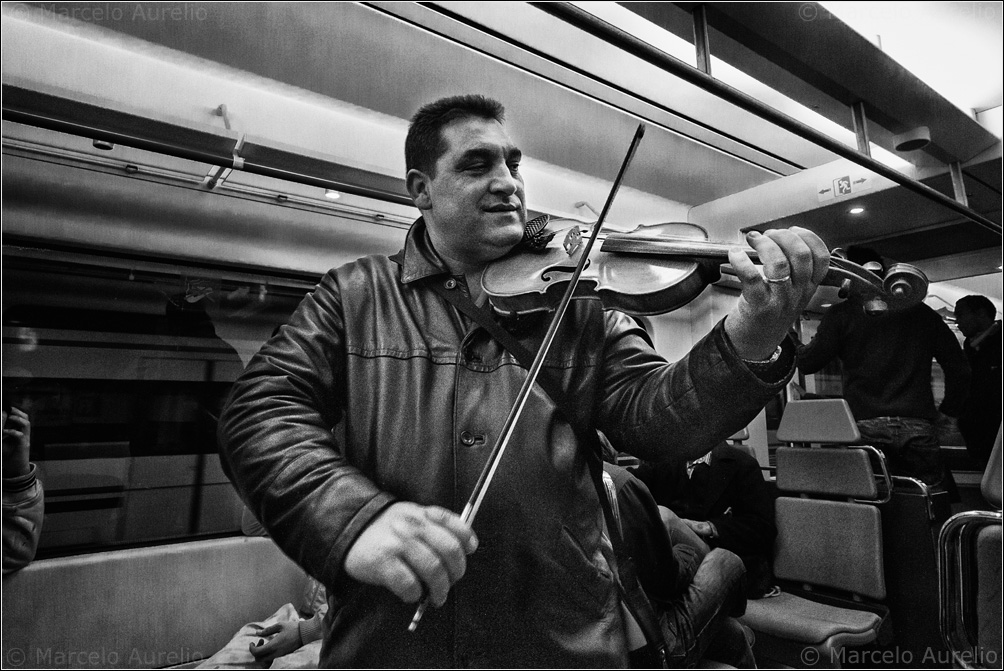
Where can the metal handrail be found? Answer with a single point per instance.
(953, 578)
(883, 477)
(922, 487)
(229, 159)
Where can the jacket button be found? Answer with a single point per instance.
(467, 438)
(450, 283)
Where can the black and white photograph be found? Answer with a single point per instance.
(511, 335)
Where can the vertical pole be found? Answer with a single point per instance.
(861, 128)
(701, 39)
(958, 184)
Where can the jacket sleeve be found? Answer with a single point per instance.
(23, 510)
(276, 441)
(749, 528)
(662, 571)
(311, 630)
(658, 410)
(952, 359)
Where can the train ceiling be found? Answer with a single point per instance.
(325, 89)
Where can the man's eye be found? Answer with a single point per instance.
(514, 168)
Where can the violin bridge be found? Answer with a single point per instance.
(573, 240)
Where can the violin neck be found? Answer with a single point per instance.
(840, 273)
(682, 248)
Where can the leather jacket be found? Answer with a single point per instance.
(420, 393)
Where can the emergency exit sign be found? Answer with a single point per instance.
(847, 185)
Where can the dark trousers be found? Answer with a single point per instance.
(911, 449)
(699, 623)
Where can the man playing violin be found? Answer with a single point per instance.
(421, 392)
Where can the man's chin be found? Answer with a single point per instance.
(503, 245)
(511, 238)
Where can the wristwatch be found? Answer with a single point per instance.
(765, 362)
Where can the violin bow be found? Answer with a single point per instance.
(488, 472)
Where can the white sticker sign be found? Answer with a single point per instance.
(846, 185)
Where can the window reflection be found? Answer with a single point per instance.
(123, 372)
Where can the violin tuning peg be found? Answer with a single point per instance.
(845, 289)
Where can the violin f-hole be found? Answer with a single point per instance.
(546, 275)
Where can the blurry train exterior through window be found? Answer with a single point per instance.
(123, 368)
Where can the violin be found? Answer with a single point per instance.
(659, 268)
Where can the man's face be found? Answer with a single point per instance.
(474, 206)
(970, 323)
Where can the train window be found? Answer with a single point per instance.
(122, 368)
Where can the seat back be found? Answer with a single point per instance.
(827, 472)
(740, 436)
(829, 551)
(991, 484)
(824, 542)
(988, 591)
(910, 513)
(819, 420)
(146, 607)
(829, 525)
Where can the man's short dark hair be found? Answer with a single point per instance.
(977, 304)
(424, 144)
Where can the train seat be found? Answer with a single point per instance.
(819, 420)
(828, 556)
(739, 439)
(151, 607)
(740, 436)
(970, 577)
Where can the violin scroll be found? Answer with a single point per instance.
(901, 287)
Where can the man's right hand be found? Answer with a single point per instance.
(413, 550)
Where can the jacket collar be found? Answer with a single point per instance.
(977, 340)
(418, 259)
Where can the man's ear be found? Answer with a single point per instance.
(418, 188)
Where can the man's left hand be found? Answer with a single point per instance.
(283, 638)
(705, 530)
(16, 443)
(795, 261)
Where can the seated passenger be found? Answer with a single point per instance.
(23, 497)
(724, 499)
(695, 591)
(285, 636)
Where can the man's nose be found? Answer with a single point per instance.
(503, 181)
